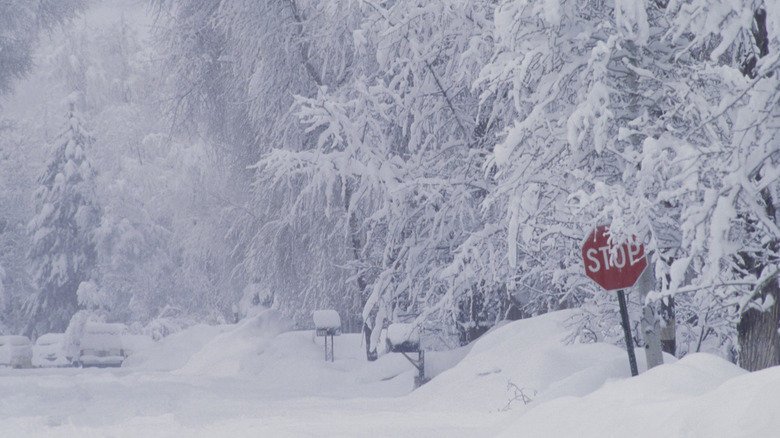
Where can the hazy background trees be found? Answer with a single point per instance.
(21, 22)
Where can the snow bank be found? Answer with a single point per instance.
(257, 379)
(174, 351)
(699, 396)
(232, 352)
(262, 348)
(530, 356)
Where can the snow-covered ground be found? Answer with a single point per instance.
(255, 379)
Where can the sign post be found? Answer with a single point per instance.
(627, 332)
(615, 267)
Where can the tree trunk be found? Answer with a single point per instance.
(759, 341)
(651, 325)
(668, 326)
(371, 355)
(356, 243)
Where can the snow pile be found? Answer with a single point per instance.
(256, 378)
(529, 356)
(699, 396)
(231, 352)
(174, 351)
(217, 351)
(262, 348)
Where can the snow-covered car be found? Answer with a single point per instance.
(101, 345)
(135, 343)
(47, 351)
(15, 351)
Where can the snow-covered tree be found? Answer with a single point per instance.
(396, 164)
(238, 66)
(446, 159)
(62, 251)
(639, 115)
(733, 229)
(557, 83)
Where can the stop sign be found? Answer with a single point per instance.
(612, 269)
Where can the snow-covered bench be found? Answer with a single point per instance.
(327, 323)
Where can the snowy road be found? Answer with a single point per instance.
(123, 403)
(243, 380)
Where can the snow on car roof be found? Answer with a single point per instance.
(50, 338)
(14, 340)
(105, 328)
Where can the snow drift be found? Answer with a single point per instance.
(258, 378)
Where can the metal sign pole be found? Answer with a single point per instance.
(627, 332)
(329, 354)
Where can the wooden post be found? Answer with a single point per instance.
(759, 340)
(651, 325)
(329, 354)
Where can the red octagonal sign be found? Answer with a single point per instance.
(612, 269)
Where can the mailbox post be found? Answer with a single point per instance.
(404, 338)
(327, 323)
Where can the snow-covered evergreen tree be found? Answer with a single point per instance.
(62, 251)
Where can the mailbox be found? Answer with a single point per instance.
(327, 323)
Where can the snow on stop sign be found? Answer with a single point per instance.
(612, 269)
